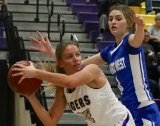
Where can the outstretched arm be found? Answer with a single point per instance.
(51, 117)
(42, 45)
(95, 59)
(136, 39)
(88, 74)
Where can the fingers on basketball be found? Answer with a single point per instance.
(27, 86)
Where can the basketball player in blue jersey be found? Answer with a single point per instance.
(85, 89)
(126, 62)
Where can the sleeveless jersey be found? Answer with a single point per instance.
(100, 107)
(127, 64)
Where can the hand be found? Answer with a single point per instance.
(42, 45)
(139, 20)
(24, 71)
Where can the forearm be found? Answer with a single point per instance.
(41, 112)
(136, 40)
(57, 79)
(139, 35)
(95, 59)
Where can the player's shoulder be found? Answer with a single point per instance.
(91, 66)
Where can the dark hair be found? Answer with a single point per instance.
(59, 49)
(128, 14)
(145, 30)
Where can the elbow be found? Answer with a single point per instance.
(50, 123)
(69, 82)
(70, 85)
(137, 45)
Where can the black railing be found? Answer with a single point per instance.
(7, 97)
(16, 52)
(37, 12)
(48, 3)
(61, 27)
(50, 13)
(15, 43)
(26, 2)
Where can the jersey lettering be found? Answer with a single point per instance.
(79, 103)
(117, 65)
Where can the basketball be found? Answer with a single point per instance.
(27, 86)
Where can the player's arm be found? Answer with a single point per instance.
(136, 39)
(95, 59)
(85, 76)
(51, 117)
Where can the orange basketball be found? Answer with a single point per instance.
(27, 86)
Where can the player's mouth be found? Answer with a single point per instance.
(76, 65)
(113, 28)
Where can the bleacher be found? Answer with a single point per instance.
(75, 18)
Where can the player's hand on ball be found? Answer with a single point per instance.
(24, 71)
(17, 73)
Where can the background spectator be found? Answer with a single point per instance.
(151, 65)
(154, 31)
(103, 11)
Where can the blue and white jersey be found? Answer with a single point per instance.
(127, 64)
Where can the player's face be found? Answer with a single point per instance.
(71, 59)
(146, 37)
(117, 23)
(157, 21)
